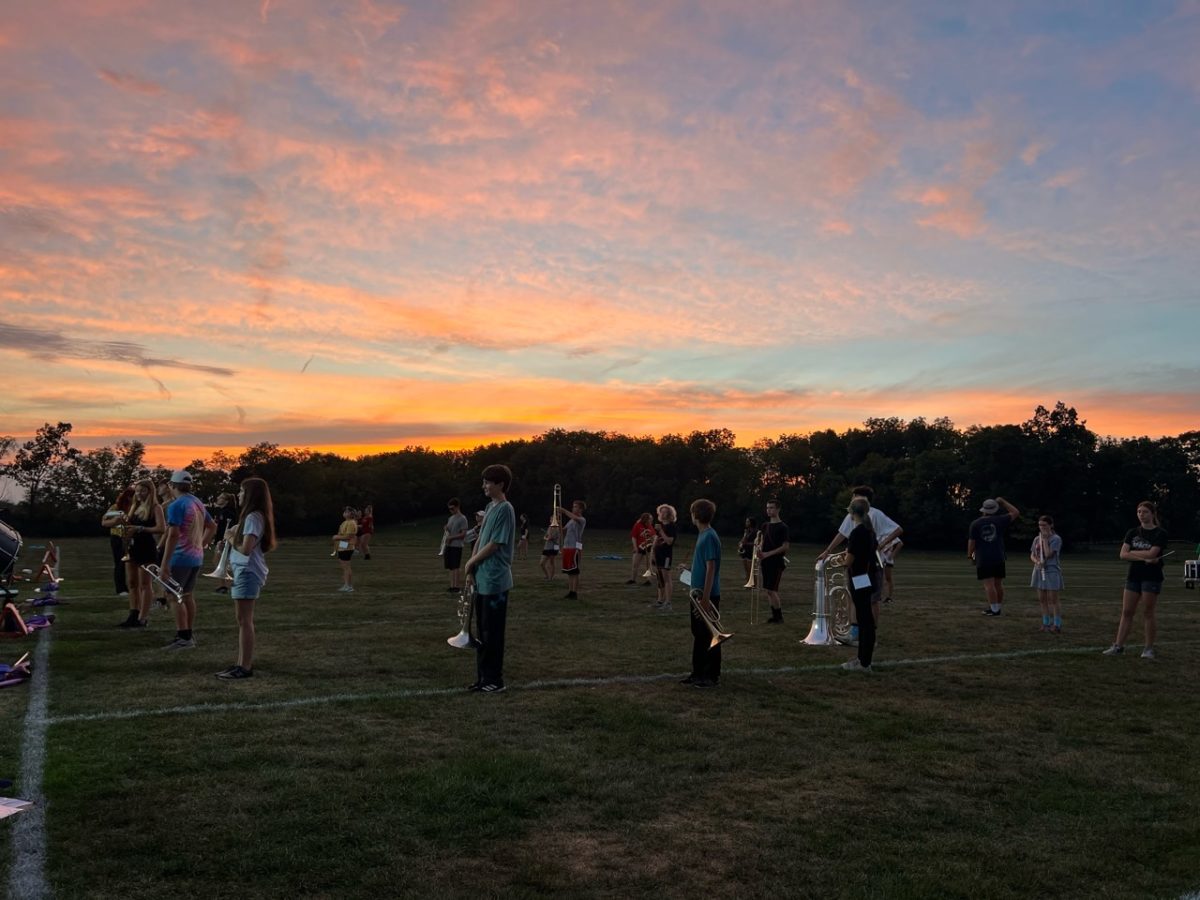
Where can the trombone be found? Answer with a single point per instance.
(466, 609)
(556, 504)
(754, 582)
(168, 584)
(712, 618)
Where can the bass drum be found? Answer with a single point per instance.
(10, 549)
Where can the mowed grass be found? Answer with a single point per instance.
(945, 774)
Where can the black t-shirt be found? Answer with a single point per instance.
(662, 552)
(988, 534)
(861, 546)
(775, 535)
(1143, 539)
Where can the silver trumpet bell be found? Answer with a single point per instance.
(466, 609)
(222, 569)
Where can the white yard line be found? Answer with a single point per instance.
(27, 873)
(537, 685)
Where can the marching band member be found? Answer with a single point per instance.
(887, 532)
(490, 569)
(985, 547)
(454, 533)
(147, 521)
(862, 567)
(550, 549)
(664, 543)
(113, 520)
(746, 545)
(774, 548)
(226, 513)
(641, 537)
(522, 536)
(344, 542)
(572, 550)
(1047, 577)
(1143, 547)
(250, 538)
(366, 528)
(189, 530)
(706, 577)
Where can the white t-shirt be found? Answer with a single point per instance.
(880, 523)
(256, 561)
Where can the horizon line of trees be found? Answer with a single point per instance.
(931, 477)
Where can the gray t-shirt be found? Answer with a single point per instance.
(573, 533)
(256, 561)
(457, 524)
(494, 575)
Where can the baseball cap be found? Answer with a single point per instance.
(990, 507)
(181, 476)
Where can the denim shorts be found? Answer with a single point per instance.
(1144, 587)
(246, 584)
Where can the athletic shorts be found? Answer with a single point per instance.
(246, 584)
(1144, 587)
(662, 562)
(992, 570)
(452, 558)
(772, 574)
(570, 563)
(186, 578)
(345, 555)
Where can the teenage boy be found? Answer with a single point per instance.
(189, 530)
(706, 578)
(490, 568)
(985, 548)
(774, 548)
(572, 545)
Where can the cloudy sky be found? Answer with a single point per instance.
(355, 225)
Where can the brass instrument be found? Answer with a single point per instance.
(831, 602)
(127, 532)
(712, 618)
(466, 610)
(442, 546)
(168, 585)
(557, 503)
(222, 569)
(754, 582)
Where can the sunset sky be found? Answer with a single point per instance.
(360, 225)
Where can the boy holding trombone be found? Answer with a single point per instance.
(705, 574)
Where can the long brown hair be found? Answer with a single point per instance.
(257, 498)
(145, 509)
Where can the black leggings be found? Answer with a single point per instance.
(866, 623)
(118, 550)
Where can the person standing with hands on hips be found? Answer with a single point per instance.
(490, 570)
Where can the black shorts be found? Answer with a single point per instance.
(345, 555)
(772, 573)
(985, 571)
(452, 558)
(549, 553)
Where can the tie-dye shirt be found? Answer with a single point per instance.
(183, 512)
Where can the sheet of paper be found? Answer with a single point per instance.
(686, 577)
(861, 581)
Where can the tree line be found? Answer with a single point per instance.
(929, 476)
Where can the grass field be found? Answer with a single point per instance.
(982, 759)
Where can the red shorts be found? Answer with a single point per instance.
(570, 560)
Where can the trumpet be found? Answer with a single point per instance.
(222, 569)
(712, 618)
(169, 585)
(466, 609)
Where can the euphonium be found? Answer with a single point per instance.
(466, 609)
(712, 618)
(831, 602)
(222, 569)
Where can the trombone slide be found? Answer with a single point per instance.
(169, 585)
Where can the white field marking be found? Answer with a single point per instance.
(537, 685)
(27, 873)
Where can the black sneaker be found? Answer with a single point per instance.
(704, 683)
(235, 673)
(991, 612)
(491, 689)
(630, 581)
(477, 686)
(691, 679)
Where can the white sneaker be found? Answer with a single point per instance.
(1148, 653)
(855, 665)
(348, 589)
(1114, 650)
